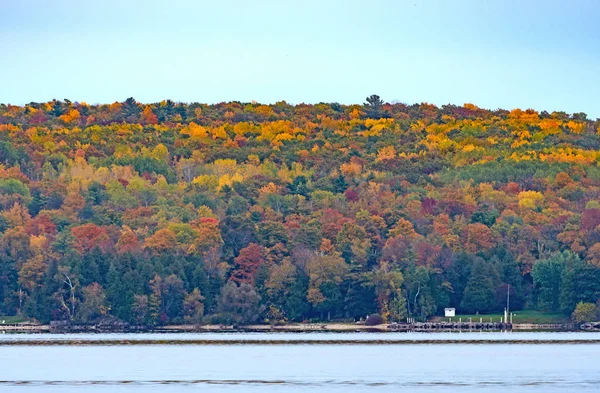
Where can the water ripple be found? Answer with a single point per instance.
(312, 383)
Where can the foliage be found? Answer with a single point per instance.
(168, 212)
(239, 304)
(585, 312)
(479, 294)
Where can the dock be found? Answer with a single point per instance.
(449, 326)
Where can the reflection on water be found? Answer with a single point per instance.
(301, 383)
(309, 336)
(299, 339)
(294, 368)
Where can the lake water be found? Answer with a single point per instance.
(286, 362)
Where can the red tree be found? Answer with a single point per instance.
(247, 263)
(89, 236)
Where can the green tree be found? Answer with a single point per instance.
(420, 302)
(580, 283)
(374, 106)
(139, 309)
(239, 304)
(479, 296)
(458, 274)
(360, 299)
(173, 295)
(547, 279)
(130, 110)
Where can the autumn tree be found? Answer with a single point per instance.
(286, 291)
(388, 285)
(247, 263)
(585, 312)
(325, 273)
(88, 236)
(324, 210)
(163, 240)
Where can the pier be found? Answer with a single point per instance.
(449, 326)
(24, 328)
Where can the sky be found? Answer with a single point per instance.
(540, 54)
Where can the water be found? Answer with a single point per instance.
(465, 362)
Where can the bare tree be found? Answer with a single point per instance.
(64, 277)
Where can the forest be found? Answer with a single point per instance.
(241, 212)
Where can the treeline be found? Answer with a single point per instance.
(242, 212)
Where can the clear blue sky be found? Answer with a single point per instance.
(542, 54)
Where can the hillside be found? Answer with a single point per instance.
(241, 212)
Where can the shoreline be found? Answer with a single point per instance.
(288, 328)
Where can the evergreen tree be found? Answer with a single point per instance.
(580, 283)
(479, 295)
(547, 279)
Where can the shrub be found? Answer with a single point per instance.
(374, 319)
(585, 312)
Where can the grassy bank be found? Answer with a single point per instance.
(7, 320)
(521, 316)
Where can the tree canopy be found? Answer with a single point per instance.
(170, 212)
